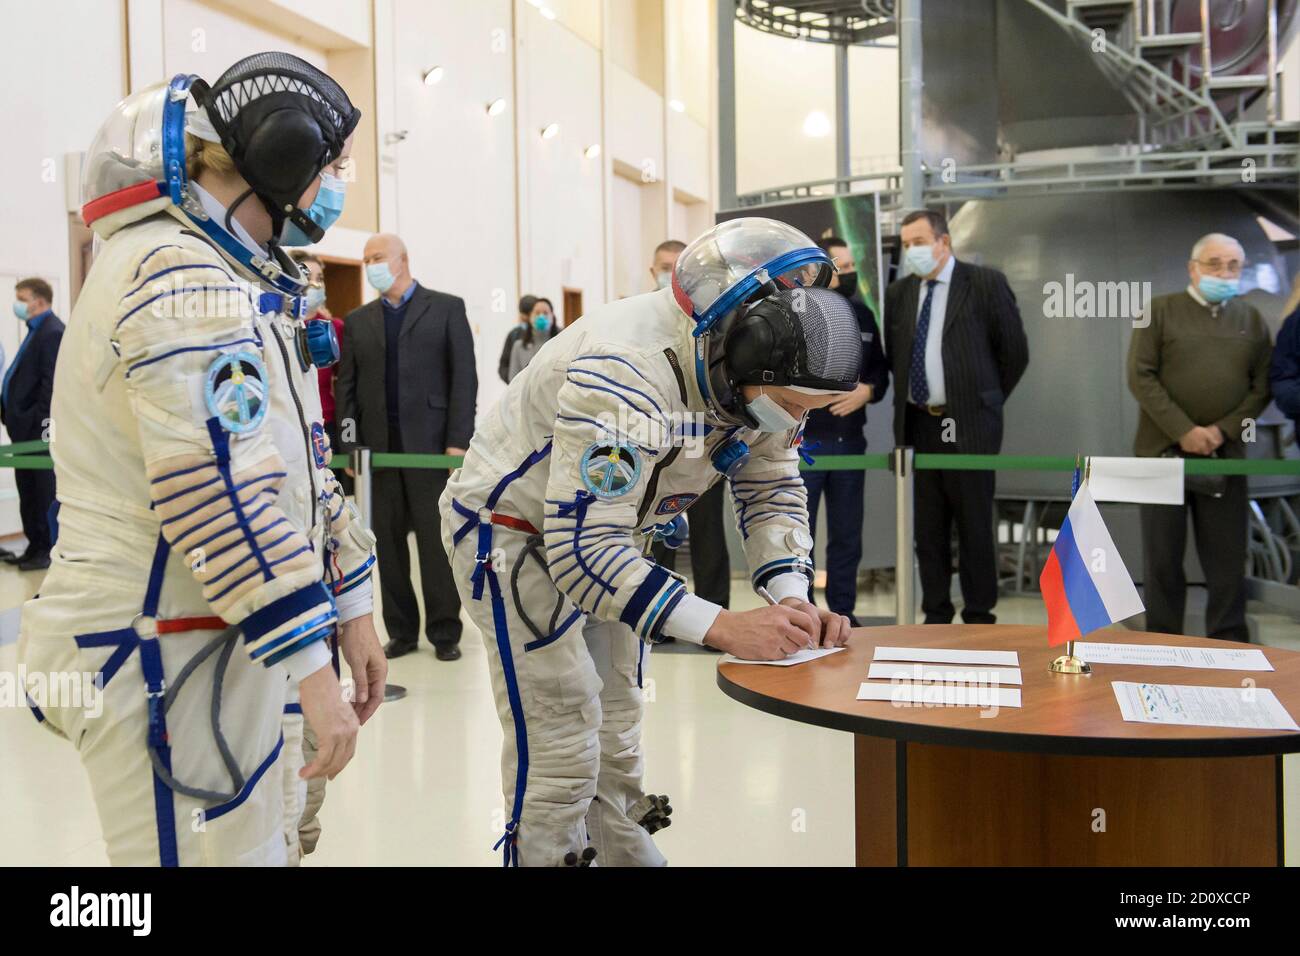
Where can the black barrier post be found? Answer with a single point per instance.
(901, 463)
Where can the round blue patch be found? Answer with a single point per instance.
(610, 469)
(236, 391)
(319, 445)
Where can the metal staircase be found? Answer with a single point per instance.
(1191, 118)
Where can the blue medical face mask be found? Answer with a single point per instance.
(20, 310)
(325, 210)
(380, 277)
(542, 321)
(315, 299)
(1217, 290)
(920, 259)
(770, 416)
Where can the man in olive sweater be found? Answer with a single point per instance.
(1199, 371)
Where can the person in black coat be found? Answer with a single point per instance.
(840, 429)
(407, 383)
(1284, 373)
(25, 410)
(957, 346)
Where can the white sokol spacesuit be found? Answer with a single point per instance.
(196, 506)
(605, 438)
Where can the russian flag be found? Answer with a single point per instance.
(1085, 584)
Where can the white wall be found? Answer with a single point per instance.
(62, 72)
(451, 181)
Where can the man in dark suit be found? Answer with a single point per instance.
(958, 348)
(407, 383)
(25, 411)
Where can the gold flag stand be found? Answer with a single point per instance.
(1068, 663)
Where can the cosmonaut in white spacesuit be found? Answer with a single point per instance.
(205, 554)
(615, 427)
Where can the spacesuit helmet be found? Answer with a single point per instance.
(281, 121)
(756, 291)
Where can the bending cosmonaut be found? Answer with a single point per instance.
(205, 555)
(615, 427)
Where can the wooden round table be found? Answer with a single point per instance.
(1061, 780)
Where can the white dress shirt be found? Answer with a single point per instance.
(934, 340)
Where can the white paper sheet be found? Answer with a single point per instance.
(936, 695)
(1151, 481)
(950, 673)
(1168, 655)
(939, 655)
(1253, 708)
(798, 657)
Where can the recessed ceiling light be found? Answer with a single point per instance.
(817, 124)
(550, 131)
(496, 107)
(677, 106)
(592, 151)
(433, 75)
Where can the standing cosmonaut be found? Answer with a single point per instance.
(205, 555)
(597, 447)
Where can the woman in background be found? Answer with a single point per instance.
(526, 305)
(538, 330)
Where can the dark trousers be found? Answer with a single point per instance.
(944, 499)
(844, 491)
(406, 500)
(1220, 525)
(35, 496)
(710, 563)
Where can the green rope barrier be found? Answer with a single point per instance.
(13, 456)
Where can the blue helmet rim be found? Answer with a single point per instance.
(747, 286)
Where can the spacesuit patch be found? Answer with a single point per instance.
(235, 391)
(674, 503)
(319, 445)
(610, 469)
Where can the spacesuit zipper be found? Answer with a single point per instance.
(302, 420)
(653, 485)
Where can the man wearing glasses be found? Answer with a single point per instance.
(1199, 371)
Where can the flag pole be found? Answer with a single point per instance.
(1068, 663)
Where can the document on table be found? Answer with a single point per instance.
(1168, 655)
(947, 673)
(1251, 708)
(798, 657)
(940, 655)
(942, 695)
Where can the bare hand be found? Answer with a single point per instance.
(1216, 434)
(335, 723)
(359, 645)
(1198, 441)
(850, 402)
(829, 629)
(764, 634)
(457, 452)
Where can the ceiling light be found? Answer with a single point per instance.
(433, 75)
(817, 124)
(496, 107)
(677, 106)
(550, 131)
(592, 151)
(547, 12)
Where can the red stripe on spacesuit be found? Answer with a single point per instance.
(177, 625)
(118, 200)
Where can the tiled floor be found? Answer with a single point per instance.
(747, 789)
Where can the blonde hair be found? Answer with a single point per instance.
(201, 155)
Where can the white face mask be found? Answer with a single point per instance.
(921, 259)
(770, 416)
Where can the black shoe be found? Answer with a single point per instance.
(10, 558)
(394, 649)
(37, 562)
(447, 652)
(7, 555)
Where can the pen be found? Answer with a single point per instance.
(767, 596)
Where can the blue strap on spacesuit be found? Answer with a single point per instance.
(151, 667)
